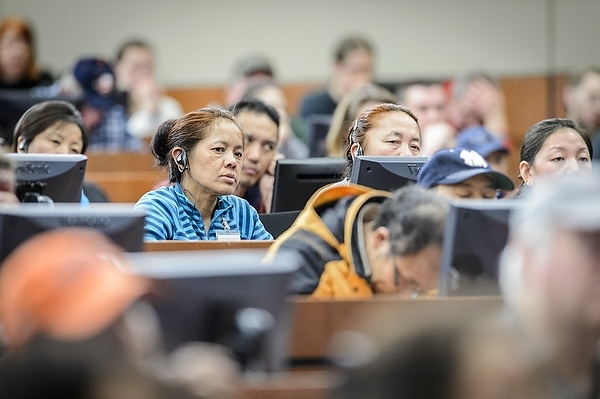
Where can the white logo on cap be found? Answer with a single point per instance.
(473, 159)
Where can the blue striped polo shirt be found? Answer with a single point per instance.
(171, 216)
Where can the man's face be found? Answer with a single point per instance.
(261, 141)
(585, 101)
(565, 281)
(477, 187)
(135, 66)
(354, 71)
(428, 103)
(406, 275)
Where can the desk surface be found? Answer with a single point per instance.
(156, 246)
(317, 321)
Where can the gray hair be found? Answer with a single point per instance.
(415, 218)
(570, 204)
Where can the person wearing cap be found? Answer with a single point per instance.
(459, 173)
(487, 144)
(550, 280)
(104, 117)
(147, 104)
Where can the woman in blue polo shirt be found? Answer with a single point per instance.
(203, 151)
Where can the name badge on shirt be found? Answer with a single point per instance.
(228, 235)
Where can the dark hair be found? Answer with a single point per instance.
(25, 31)
(43, 115)
(365, 122)
(257, 106)
(575, 78)
(132, 43)
(415, 218)
(537, 135)
(349, 45)
(402, 88)
(185, 132)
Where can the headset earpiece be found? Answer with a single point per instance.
(23, 146)
(181, 161)
(358, 151)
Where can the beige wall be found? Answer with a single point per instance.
(198, 40)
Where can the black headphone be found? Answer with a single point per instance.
(182, 162)
(358, 151)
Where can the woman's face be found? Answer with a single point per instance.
(215, 163)
(393, 134)
(563, 153)
(59, 138)
(14, 55)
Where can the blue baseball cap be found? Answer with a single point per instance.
(481, 140)
(453, 166)
(97, 80)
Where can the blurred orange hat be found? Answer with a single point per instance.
(68, 283)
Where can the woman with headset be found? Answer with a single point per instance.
(384, 130)
(203, 151)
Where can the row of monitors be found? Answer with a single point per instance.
(231, 297)
(60, 177)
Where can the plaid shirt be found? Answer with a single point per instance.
(111, 133)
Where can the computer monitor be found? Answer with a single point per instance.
(296, 180)
(58, 176)
(14, 103)
(476, 233)
(386, 173)
(121, 223)
(229, 297)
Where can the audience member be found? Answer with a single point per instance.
(460, 173)
(18, 65)
(245, 70)
(428, 101)
(290, 144)
(348, 109)
(350, 241)
(260, 124)
(486, 144)
(477, 99)
(384, 130)
(55, 127)
(204, 153)
(553, 148)
(352, 68)
(105, 119)
(550, 274)
(582, 100)
(146, 101)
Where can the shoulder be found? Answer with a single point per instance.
(163, 196)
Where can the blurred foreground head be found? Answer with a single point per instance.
(66, 284)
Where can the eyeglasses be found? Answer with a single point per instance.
(398, 277)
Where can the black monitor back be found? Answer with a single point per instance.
(121, 223)
(476, 233)
(227, 297)
(386, 173)
(62, 175)
(296, 180)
